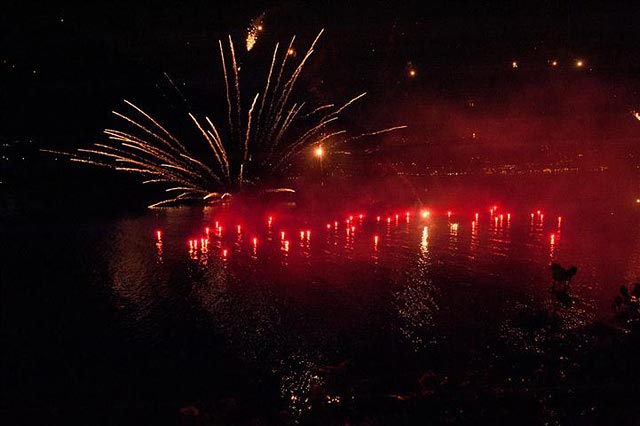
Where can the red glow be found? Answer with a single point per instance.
(224, 253)
(255, 241)
(217, 224)
(286, 246)
(538, 211)
(282, 235)
(541, 216)
(308, 234)
(388, 220)
(378, 218)
(477, 216)
(206, 230)
(559, 220)
(508, 216)
(425, 213)
(501, 216)
(495, 207)
(159, 234)
(328, 226)
(302, 235)
(449, 214)
(397, 217)
(553, 238)
(335, 223)
(353, 228)
(531, 215)
(239, 229)
(361, 216)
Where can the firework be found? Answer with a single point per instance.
(255, 28)
(255, 142)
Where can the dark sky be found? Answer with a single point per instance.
(64, 67)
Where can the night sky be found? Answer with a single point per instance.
(65, 67)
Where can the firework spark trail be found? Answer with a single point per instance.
(208, 139)
(345, 106)
(274, 131)
(226, 85)
(135, 123)
(157, 125)
(295, 149)
(237, 87)
(246, 139)
(266, 87)
(270, 111)
(285, 126)
(184, 99)
(311, 132)
(288, 88)
(377, 132)
(218, 140)
(320, 108)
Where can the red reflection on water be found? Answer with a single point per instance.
(159, 247)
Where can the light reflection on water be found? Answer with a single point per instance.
(287, 293)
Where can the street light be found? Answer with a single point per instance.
(319, 152)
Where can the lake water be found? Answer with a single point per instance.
(132, 317)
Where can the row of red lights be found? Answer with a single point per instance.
(193, 243)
